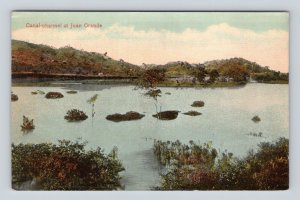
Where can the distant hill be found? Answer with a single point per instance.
(42, 59)
(185, 68)
(232, 67)
(36, 58)
(221, 64)
(179, 68)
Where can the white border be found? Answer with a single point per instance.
(293, 6)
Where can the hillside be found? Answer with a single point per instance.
(42, 59)
(220, 65)
(237, 68)
(179, 68)
(35, 58)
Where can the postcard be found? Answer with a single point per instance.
(150, 100)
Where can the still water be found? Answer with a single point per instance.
(225, 120)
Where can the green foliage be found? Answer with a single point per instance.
(93, 99)
(199, 167)
(214, 74)
(236, 72)
(65, 166)
(270, 76)
(200, 74)
(178, 69)
(151, 77)
(37, 58)
(154, 93)
(27, 125)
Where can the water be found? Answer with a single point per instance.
(225, 120)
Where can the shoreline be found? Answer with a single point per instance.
(42, 79)
(57, 83)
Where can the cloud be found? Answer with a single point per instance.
(219, 41)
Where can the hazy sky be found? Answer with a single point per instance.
(161, 37)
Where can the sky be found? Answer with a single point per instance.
(162, 37)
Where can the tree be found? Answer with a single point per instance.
(214, 74)
(151, 77)
(200, 74)
(237, 72)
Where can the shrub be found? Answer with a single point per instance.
(199, 167)
(54, 95)
(256, 119)
(192, 113)
(75, 115)
(14, 97)
(65, 166)
(153, 93)
(167, 115)
(125, 117)
(27, 124)
(72, 92)
(198, 104)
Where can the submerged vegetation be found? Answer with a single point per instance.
(198, 104)
(54, 95)
(256, 119)
(14, 97)
(200, 167)
(192, 113)
(72, 92)
(38, 92)
(167, 115)
(260, 134)
(65, 166)
(129, 116)
(75, 115)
